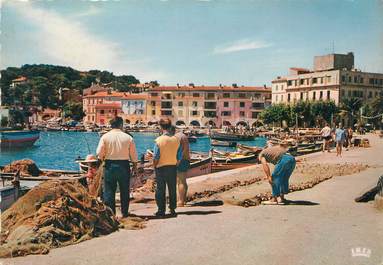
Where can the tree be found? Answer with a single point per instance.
(349, 108)
(73, 110)
(275, 113)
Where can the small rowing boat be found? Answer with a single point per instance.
(223, 143)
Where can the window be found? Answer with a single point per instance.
(355, 79)
(321, 94)
(225, 104)
(349, 93)
(195, 95)
(314, 95)
(153, 103)
(226, 113)
(153, 112)
(180, 103)
(166, 105)
(371, 81)
(194, 104)
(276, 98)
(315, 80)
(226, 95)
(276, 87)
(328, 94)
(343, 79)
(154, 94)
(370, 94)
(349, 79)
(181, 95)
(301, 96)
(102, 111)
(342, 92)
(329, 79)
(166, 112)
(254, 115)
(361, 80)
(281, 98)
(242, 95)
(194, 113)
(241, 104)
(321, 80)
(210, 105)
(289, 83)
(288, 97)
(242, 114)
(302, 81)
(210, 114)
(210, 95)
(258, 105)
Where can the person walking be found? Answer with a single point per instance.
(118, 150)
(339, 139)
(284, 167)
(183, 167)
(166, 156)
(326, 136)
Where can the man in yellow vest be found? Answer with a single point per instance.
(167, 154)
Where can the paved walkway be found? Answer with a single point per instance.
(322, 228)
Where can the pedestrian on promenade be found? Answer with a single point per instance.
(284, 167)
(326, 136)
(118, 150)
(339, 139)
(166, 156)
(183, 167)
(350, 133)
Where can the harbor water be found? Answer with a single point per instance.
(58, 150)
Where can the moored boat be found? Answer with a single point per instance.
(231, 137)
(223, 143)
(233, 157)
(18, 139)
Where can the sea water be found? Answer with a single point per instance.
(58, 150)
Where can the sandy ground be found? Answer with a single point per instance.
(321, 226)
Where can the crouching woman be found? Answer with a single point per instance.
(284, 167)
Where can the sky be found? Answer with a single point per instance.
(205, 42)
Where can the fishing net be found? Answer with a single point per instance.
(26, 167)
(54, 214)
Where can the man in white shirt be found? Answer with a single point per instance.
(117, 150)
(326, 136)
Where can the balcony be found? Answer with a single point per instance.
(210, 105)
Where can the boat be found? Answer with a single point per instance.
(247, 148)
(233, 157)
(18, 139)
(200, 167)
(217, 167)
(10, 194)
(231, 137)
(223, 143)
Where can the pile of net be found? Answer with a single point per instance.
(53, 214)
(26, 167)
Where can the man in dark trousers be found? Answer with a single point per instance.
(167, 154)
(117, 150)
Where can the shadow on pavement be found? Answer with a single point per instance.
(167, 216)
(303, 203)
(207, 203)
(199, 212)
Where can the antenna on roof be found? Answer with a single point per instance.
(333, 47)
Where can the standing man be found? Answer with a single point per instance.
(339, 139)
(166, 157)
(117, 150)
(326, 136)
(284, 167)
(183, 167)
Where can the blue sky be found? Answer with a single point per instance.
(182, 41)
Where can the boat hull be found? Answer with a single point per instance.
(199, 168)
(231, 137)
(18, 139)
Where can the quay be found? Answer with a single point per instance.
(323, 219)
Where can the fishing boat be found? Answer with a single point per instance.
(247, 148)
(231, 137)
(233, 157)
(217, 167)
(18, 139)
(223, 143)
(199, 167)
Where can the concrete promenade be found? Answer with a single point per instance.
(321, 227)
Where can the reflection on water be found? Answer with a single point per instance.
(58, 150)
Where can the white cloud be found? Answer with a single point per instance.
(91, 11)
(66, 41)
(241, 45)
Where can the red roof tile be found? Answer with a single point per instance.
(210, 88)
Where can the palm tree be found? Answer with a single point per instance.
(377, 108)
(349, 108)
